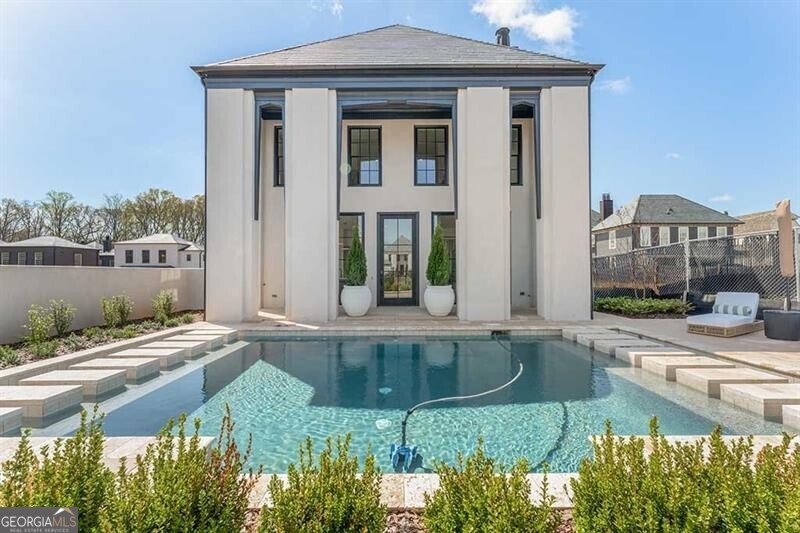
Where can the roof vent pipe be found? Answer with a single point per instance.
(503, 36)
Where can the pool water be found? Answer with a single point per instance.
(280, 391)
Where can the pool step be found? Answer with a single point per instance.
(228, 335)
(791, 416)
(708, 380)
(610, 346)
(137, 369)
(666, 366)
(765, 399)
(588, 339)
(192, 348)
(571, 333)
(95, 383)
(41, 402)
(168, 357)
(634, 355)
(10, 420)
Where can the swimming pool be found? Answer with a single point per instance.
(281, 390)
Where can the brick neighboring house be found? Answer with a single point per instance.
(656, 220)
(48, 251)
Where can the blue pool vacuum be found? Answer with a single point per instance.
(404, 457)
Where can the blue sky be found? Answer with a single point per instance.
(700, 99)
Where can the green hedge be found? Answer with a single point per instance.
(709, 485)
(625, 305)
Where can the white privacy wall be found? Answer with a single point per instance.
(83, 288)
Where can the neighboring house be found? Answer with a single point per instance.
(759, 222)
(51, 251)
(389, 132)
(160, 250)
(659, 219)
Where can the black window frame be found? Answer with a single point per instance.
(518, 155)
(444, 127)
(128, 257)
(189, 258)
(350, 180)
(162, 254)
(146, 261)
(278, 160)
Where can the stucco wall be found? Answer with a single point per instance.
(563, 246)
(523, 220)
(273, 232)
(83, 287)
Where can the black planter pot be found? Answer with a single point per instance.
(782, 325)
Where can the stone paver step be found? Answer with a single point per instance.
(212, 341)
(227, 335)
(666, 366)
(168, 357)
(10, 419)
(610, 346)
(137, 369)
(791, 416)
(571, 333)
(41, 401)
(634, 354)
(193, 348)
(588, 339)
(765, 399)
(708, 380)
(96, 382)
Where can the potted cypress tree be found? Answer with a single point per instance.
(356, 296)
(439, 295)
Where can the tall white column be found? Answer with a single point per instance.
(563, 248)
(482, 231)
(232, 247)
(310, 167)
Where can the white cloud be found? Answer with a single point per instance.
(337, 8)
(673, 155)
(721, 198)
(555, 27)
(617, 86)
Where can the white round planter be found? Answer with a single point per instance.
(356, 300)
(439, 300)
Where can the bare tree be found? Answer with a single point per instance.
(9, 219)
(111, 217)
(58, 209)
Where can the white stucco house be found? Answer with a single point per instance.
(160, 250)
(389, 132)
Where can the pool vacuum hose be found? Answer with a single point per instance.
(403, 456)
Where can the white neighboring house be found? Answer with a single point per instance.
(160, 250)
(392, 131)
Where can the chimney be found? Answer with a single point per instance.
(503, 37)
(107, 243)
(606, 206)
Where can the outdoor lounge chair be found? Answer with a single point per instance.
(734, 313)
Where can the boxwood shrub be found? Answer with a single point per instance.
(624, 305)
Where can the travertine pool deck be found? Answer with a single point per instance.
(42, 401)
(95, 382)
(589, 339)
(766, 400)
(168, 357)
(708, 380)
(137, 369)
(666, 366)
(634, 355)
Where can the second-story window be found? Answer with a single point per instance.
(644, 236)
(278, 161)
(516, 154)
(364, 156)
(162, 256)
(430, 155)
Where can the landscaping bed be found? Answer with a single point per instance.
(643, 307)
(48, 328)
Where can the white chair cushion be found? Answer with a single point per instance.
(719, 320)
(737, 303)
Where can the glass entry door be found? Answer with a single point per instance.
(397, 251)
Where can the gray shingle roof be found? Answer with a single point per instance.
(762, 221)
(665, 209)
(595, 217)
(397, 46)
(48, 241)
